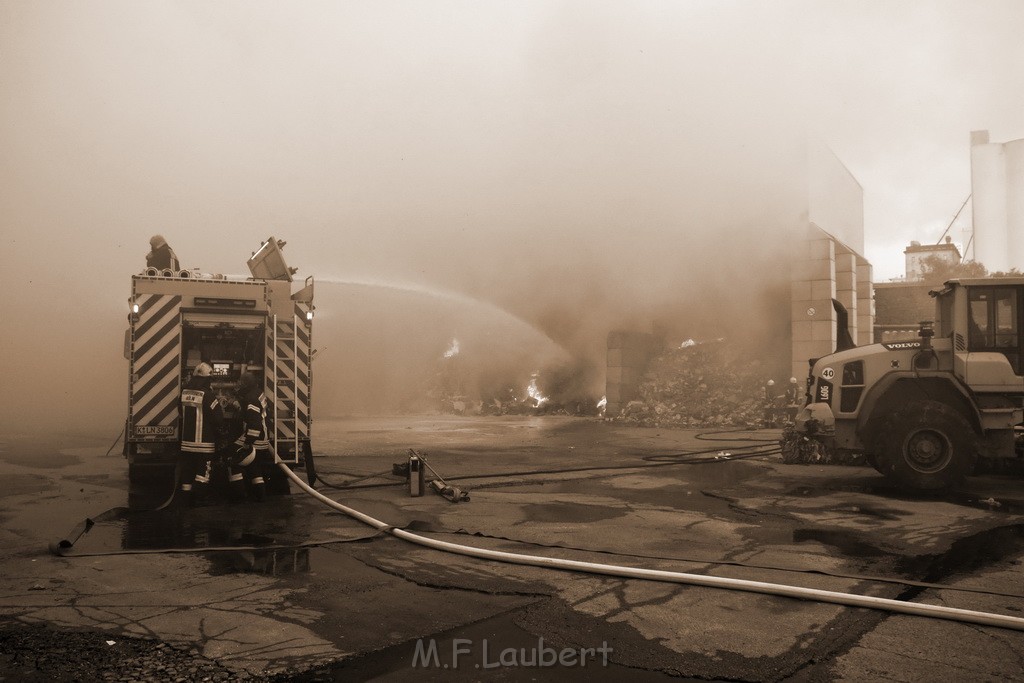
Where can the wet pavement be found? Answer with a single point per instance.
(293, 588)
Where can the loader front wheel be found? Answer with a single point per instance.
(926, 446)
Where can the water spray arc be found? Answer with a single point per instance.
(449, 296)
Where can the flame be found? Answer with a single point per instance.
(602, 404)
(534, 392)
(453, 348)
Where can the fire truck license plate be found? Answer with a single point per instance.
(155, 430)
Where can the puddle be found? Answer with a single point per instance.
(969, 554)
(882, 488)
(871, 486)
(20, 484)
(714, 473)
(849, 543)
(990, 503)
(45, 459)
(271, 562)
(245, 524)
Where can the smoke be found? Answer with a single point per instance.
(533, 204)
(395, 347)
(579, 166)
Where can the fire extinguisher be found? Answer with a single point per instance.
(416, 487)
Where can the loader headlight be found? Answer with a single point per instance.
(309, 315)
(135, 308)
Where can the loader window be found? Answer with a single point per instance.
(945, 313)
(1006, 318)
(979, 336)
(994, 319)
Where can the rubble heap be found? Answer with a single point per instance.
(710, 384)
(800, 449)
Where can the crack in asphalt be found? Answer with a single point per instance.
(448, 587)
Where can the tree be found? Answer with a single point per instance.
(935, 270)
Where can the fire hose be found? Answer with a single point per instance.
(796, 592)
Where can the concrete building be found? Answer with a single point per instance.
(997, 186)
(917, 254)
(824, 239)
(901, 306)
(828, 263)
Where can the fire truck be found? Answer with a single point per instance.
(258, 325)
(926, 411)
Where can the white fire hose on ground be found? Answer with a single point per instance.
(834, 597)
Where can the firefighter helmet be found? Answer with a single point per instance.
(203, 370)
(247, 382)
(792, 380)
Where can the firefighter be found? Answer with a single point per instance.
(792, 399)
(202, 418)
(769, 394)
(161, 255)
(251, 454)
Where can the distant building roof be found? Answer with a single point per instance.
(918, 248)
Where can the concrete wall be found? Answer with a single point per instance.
(835, 200)
(900, 308)
(813, 287)
(628, 356)
(828, 264)
(865, 304)
(824, 269)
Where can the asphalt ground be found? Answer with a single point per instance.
(297, 591)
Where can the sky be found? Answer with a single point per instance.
(578, 165)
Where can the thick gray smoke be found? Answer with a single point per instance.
(579, 166)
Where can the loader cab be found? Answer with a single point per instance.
(983, 317)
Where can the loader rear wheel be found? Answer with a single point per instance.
(926, 446)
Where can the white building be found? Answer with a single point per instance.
(997, 184)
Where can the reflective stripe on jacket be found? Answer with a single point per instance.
(201, 419)
(256, 432)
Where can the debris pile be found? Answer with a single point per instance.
(563, 389)
(800, 449)
(804, 450)
(709, 384)
(42, 653)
